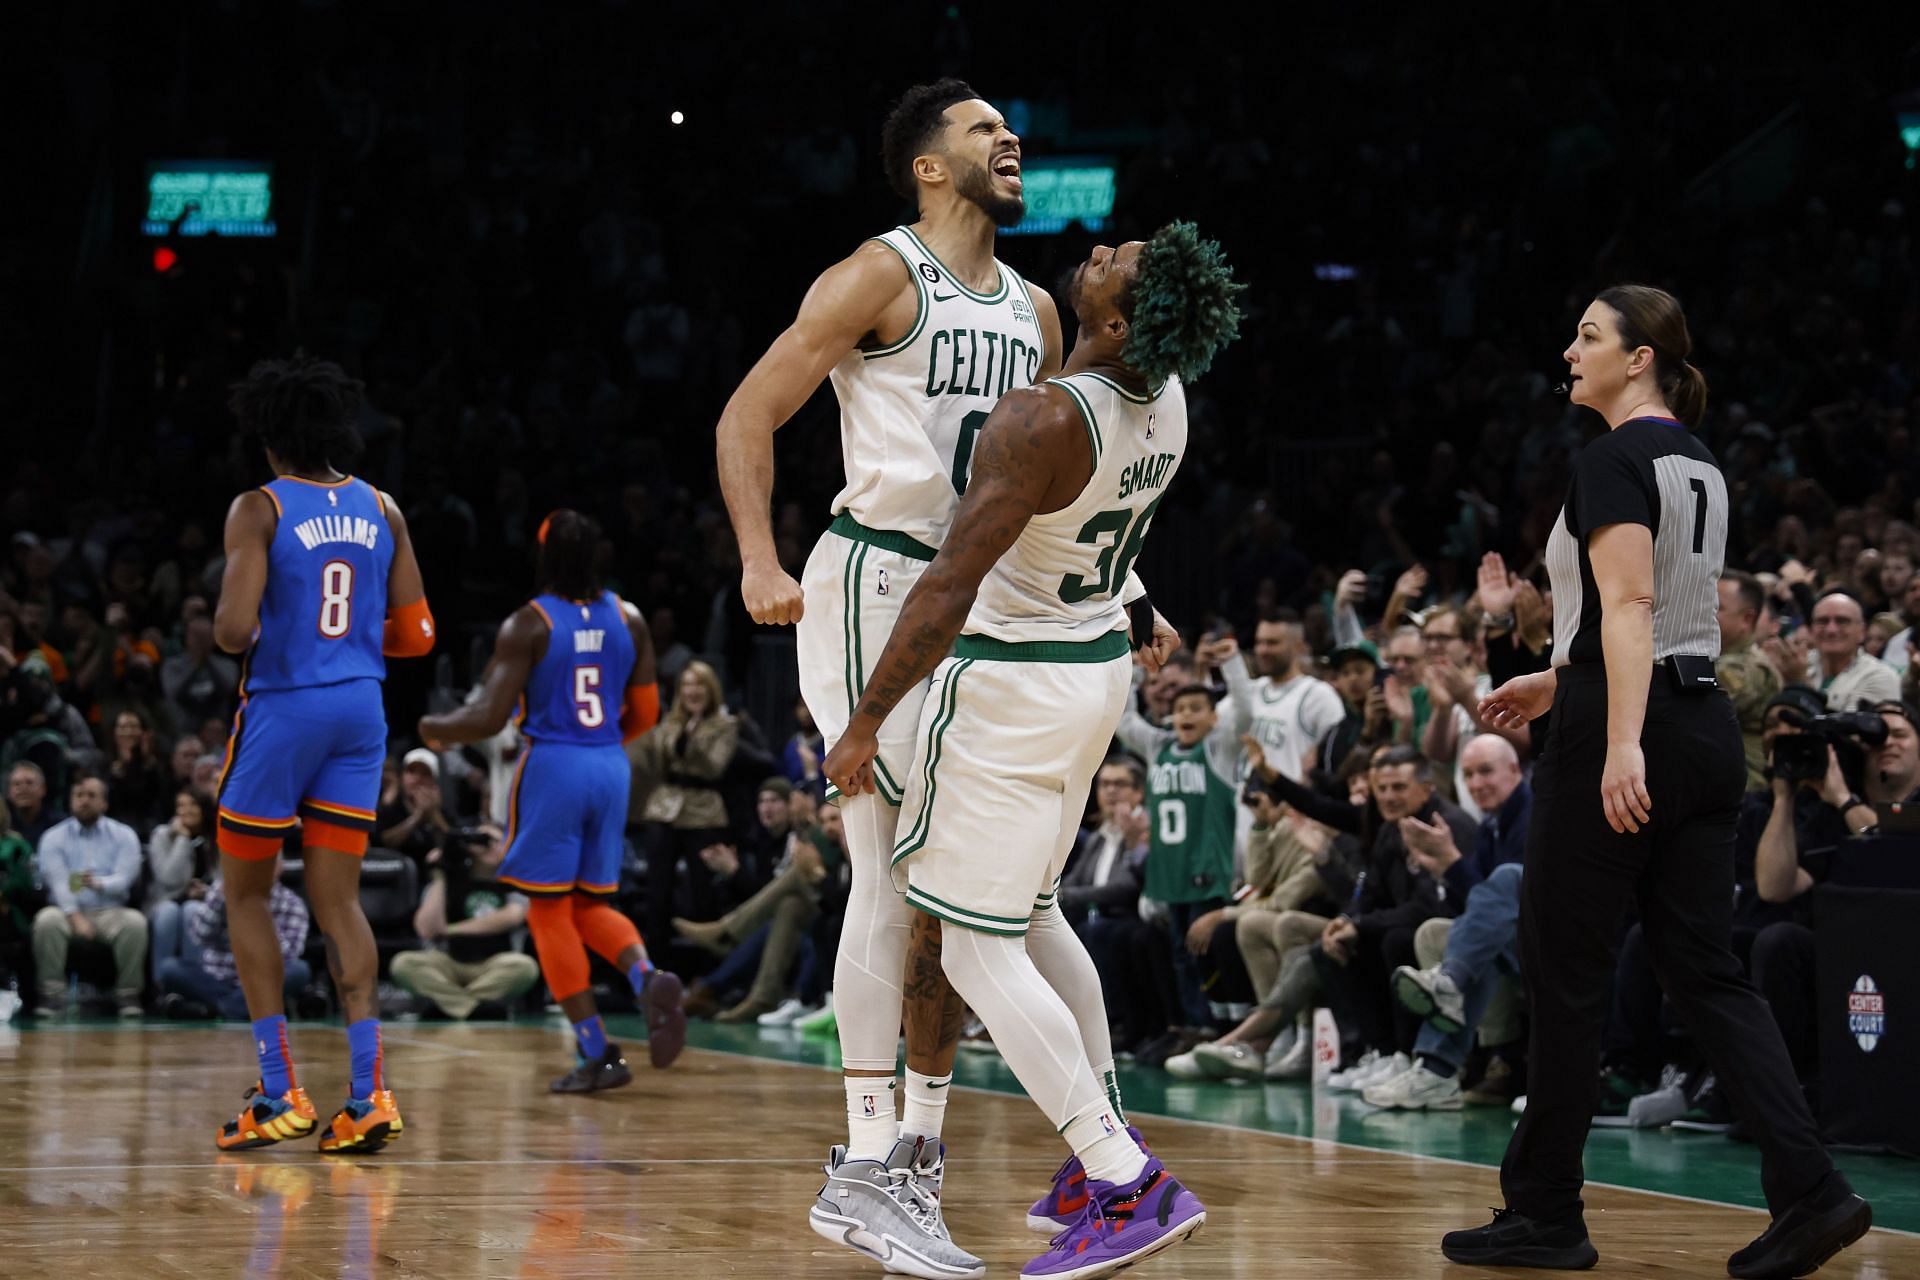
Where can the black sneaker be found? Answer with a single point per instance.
(1155, 1052)
(1811, 1231)
(608, 1071)
(1513, 1239)
(1616, 1091)
(179, 1008)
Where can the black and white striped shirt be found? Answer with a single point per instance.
(1652, 472)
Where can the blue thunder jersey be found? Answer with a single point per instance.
(324, 611)
(576, 690)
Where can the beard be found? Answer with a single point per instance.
(974, 183)
(1068, 287)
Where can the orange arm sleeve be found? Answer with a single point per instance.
(642, 711)
(409, 631)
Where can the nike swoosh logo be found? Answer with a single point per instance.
(945, 297)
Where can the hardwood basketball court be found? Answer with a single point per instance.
(107, 1168)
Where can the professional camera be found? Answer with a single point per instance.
(1802, 757)
(463, 843)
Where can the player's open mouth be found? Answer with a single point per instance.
(1008, 167)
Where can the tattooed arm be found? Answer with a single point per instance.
(1031, 458)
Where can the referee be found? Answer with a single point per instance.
(1635, 800)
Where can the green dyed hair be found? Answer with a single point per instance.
(1182, 306)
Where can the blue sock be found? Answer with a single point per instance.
(638, 974)
(592, 1035)
(276, 1061)
(363, 1042)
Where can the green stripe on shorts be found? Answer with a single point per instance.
(936, 745)
(965, 919)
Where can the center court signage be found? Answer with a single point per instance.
(1866, 1013)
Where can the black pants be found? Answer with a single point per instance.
(1360, 993)
(1136, 975)
(1582, 877)
(667, 849)
(1192, 974)
(1783, 969)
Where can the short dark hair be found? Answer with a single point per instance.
(1136, 772)
(569, 555)
(1182, 304)
(919, 114)
(303, 409)
(89, 775)
(1281, 614)
(1394, 757)
(1186, 689)
(1752, 594)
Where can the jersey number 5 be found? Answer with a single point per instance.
(336, 599)
(586, 697)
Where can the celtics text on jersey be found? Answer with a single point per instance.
(910, 411)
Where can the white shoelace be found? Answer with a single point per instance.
(920, 1201)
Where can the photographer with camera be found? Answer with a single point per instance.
(467, 920)
(1850, 762)
(1828, 774)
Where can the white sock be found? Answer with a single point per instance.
(1103, 1072)
(872, 1124)
(926, 1104)
(1100, 1139)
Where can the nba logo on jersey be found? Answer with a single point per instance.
(333, 499)
(883, 581)
(1150, 418)
(869, 1104)
(1106, 1123)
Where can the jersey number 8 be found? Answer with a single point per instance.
(586, 697)
(336, 599)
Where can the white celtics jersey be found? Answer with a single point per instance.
(909, 412)
(1290, 719)
(1061, 580)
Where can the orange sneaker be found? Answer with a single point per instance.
(361, 1126)
(268, 1120)
(384, 1099)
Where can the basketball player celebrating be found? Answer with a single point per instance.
(320, 583)
(921, 330)
(560, 657)
(1027, 593)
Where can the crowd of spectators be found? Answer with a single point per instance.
(543, 291)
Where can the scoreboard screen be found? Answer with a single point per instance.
(1063, 190)
(209, 198)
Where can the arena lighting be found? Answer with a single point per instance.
(677, 117)
(164, 259)
(209, 197)
(1063, 190)
(1910, 134)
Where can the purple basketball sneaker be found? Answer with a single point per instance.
(1066, 1200)
(1122, 1225)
